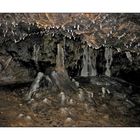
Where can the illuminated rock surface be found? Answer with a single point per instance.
(74, 69)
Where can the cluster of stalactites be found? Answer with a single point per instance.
(89, 62)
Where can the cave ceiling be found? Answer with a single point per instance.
(95, 29)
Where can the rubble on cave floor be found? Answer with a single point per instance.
(93, 104)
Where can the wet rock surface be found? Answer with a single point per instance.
(94, 44)
(69, 70)
(112, 109)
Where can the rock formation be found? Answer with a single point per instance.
(66, 64)
(29, 41)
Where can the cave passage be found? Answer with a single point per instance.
(77, 70)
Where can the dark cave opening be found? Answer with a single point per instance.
(131, 76)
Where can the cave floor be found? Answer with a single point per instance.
(47, 111)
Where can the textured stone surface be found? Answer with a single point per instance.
(90, 65)
(30, 40)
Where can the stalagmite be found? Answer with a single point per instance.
(63, 98)
(34, 86)
(56, 78)
(103, 92)
(129, 56)
(49, 81)
(89, 65)
(60, 77)
(81, 95)
(108, 57)
(64, 111)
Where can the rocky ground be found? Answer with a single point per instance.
(101, 101)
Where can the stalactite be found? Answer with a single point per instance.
(89, 63)
(60, 66)
(108, 57)
(90, 67)
(84, 71)
(94, 55)
(35, 55)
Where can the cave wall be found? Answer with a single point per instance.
(26, 48)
